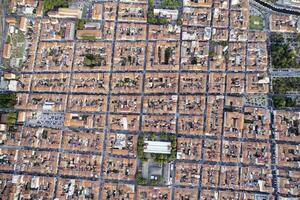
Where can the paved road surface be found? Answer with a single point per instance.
(278, 8)
(3, 6)
(292, 73)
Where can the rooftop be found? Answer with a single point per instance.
(157, 147)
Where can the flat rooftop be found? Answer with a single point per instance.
(157, 147)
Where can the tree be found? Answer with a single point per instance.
(171, 4)
(164, 137)
(160, 158)
(283, 56)
(151, 19)
(290, 102)
(168, 54)
(156, 182)
(223, 43)
(277, 37)
(179, 21)
(174, 145)
(87, 61)
(173, 138)
(7, 100)
(140, 180)
(87, 37)
(285, 85)
(211, 54)
(151, 3)
(161, 21)
(54, 4)
(279, 101)
(8, 39)
(194, 61)
(141, 140)
(80, 23)
(153, 137)
(11, 120)
(140, 149)
(172, 157)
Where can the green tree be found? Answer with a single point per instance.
(153, 137)
(140, 180)
(179, 21)
(11, 120)
(54, 4)
(164, 137)
(7, 100)
(277, 37)
(156, 182)
(161, 21)
(168, 54)
(211, 54)
(171, 4)
(151, 3)
(283, 56)
(285, 85)
(141, 140)
(8, 39)
(140, 149)
(290, 102)
(80, 23)
(194, 61)
(151, 19)
(87, 37)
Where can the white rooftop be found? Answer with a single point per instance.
(157, 147)
(171, 14)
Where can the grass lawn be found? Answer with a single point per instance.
(18, 43)
(256, 22)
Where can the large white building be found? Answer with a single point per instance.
(169, 14)
(66, 13)
(157, 147)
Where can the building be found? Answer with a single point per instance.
(7, 51)
(39, 11)
(12, 86)
(22, 116)
(3, 128)
(66, 13)
(157, 147)
(170, 14)
(9, 76)
(11, 20)
(96, 14)
(264, 80)
(92, 25)
(89, 33)
(154, 171)
(23, 24)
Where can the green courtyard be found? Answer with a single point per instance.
(256, 23)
